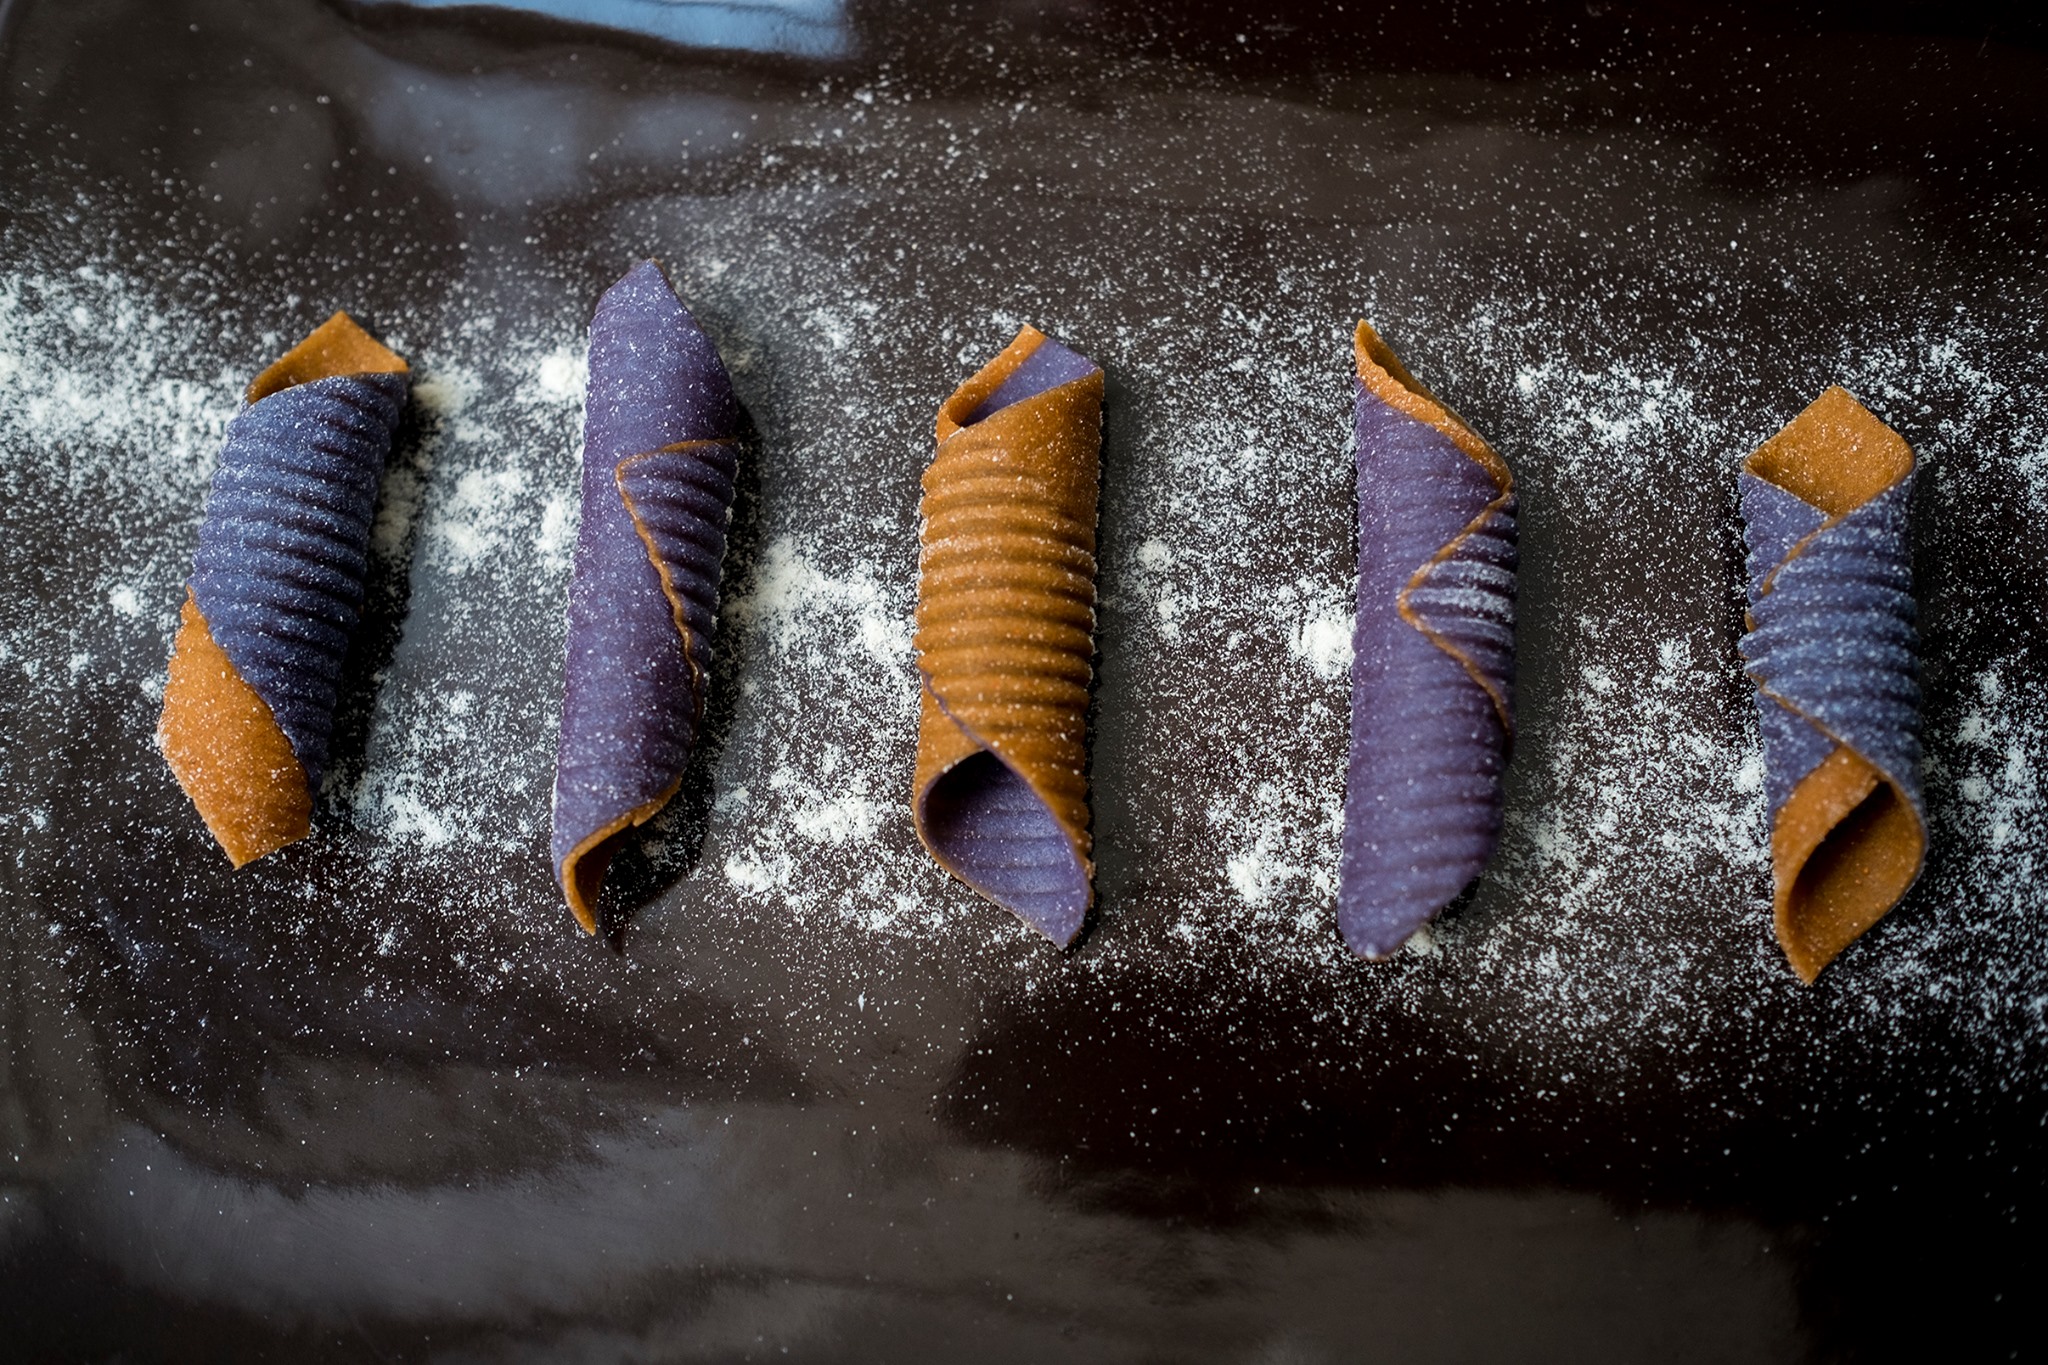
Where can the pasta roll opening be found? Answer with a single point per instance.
(1848, 844)
(986, 826)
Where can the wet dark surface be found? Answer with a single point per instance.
(374, 1098)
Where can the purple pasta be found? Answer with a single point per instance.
(277, 587)
(1832, 646)
(660, 449)
(278, 573)
(1433, 657)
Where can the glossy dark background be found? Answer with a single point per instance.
(370, 1102)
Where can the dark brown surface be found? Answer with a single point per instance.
(374, 1098)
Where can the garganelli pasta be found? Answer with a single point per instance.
(277, 587)
(1432, 672)
(1832, 651)
(660, 448)
(1005, 633)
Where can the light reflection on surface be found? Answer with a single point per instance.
(743, 1210)
(803, 28)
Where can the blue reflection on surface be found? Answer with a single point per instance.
(805, 28)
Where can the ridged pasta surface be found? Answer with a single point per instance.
(1005, 633)
(1833, 652)
(1433, 658)
(277, 587)
(660, 452)
(279, 570)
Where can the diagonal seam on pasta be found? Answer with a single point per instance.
(699, 683)
(1390, 382)
(579, 905)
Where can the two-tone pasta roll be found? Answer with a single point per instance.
(660, 448)
(277, 587)
(1433, 657)
(1831, 649)
(1005, 633)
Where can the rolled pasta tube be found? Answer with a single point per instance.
(1005, 633)
(660, 449)
(1832, 651)
(1432, 668)
(277, 587)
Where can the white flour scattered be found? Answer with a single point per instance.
(1288, 869)
(484, 513)
(1323, 642)
(1634, 849)
(1999, 784)
(558, 374)
(837, 646)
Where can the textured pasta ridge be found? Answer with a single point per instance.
(282, 553)
(1005, 625)
(680, 499)
(277, 587)
(1433, 657)
(1833, 652)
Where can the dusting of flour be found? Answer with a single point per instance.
(1634, 849)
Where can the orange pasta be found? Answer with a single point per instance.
(1005, 623)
